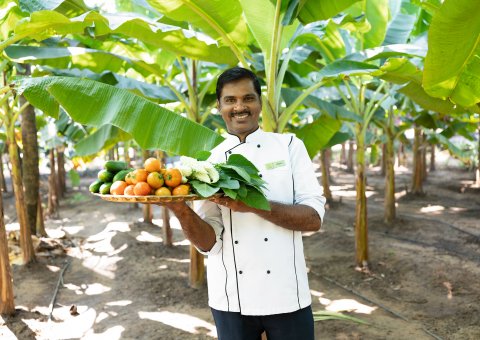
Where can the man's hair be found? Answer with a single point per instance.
(235, 74)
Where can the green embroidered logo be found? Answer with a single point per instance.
(274, 165)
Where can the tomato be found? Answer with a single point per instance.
(152, 165)
(155, 180)
(142, 189)
(163, 191)
(173, 177)
(181, 190)
(118, 188)
(139, 175)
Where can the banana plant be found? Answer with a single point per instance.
(453, 48)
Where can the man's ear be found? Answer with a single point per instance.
(218, 105)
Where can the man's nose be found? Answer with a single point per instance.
(239, 105)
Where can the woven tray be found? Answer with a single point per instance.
(152, 198)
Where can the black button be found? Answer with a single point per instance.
(230, 152)
(268, 271)
(240, 272)
(260, 175)
(266, 239)
(236, 242)
(258, 145)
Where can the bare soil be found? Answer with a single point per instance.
(121, 282)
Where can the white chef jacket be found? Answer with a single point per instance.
(255, 266)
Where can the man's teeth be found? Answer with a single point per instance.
(241, 115)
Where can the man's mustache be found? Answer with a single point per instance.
(239, 112)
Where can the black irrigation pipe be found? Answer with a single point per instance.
(60, 281)
(354, 292)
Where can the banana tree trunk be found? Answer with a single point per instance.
(126, 152)
(325, 175)
(401, 157)
(383, 164)
(7, 303)
(389, 160)
(432, 157)
(343, 154)
(477, 176)
(351, 152)
(361, 226)
(25, 232)
(61, 177)
(3, 183)
(31, 173)
(52, 186)
(424, 157)
(40, 223)
(197, 268)
(167, 230)
(417, 181)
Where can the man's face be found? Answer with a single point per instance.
(240, 107)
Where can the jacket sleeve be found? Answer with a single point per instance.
(210, 213)
(307, 189)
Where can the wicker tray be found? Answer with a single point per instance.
(152, 198)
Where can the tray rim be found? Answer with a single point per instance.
(153, 198)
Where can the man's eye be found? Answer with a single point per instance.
(229, 100)
(249, 99)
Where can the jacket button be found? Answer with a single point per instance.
(268, 271)
(258, 145)
(260, 175)
(236, 242)
(240, 272)
(229, 152)
(265, 239)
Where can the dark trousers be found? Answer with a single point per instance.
(289, 326)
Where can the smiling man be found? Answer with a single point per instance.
(257, 276)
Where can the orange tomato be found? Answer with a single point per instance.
(181, 190)
(142, 189)
(128, 178)
(152, 165)
(173, 177)
(129, 190)
(163, 191)
(139, 175)
(118, 188)
(155, 180)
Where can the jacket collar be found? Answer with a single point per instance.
(253, 137)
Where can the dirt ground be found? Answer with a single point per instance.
(121, 282)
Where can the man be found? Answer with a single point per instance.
(257, 277)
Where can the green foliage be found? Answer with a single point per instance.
(239, 179)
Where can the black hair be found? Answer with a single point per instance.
(235, 74)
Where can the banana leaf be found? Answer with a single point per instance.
(221, 20)
(92, 103)
(44, 24)
(452, 65)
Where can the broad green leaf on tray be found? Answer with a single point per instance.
(243, 162)
(255, 199)
(228, 183)
(230, 193)
(204, 189)
(236, 169)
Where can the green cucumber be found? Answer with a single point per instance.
(105, 188)
(95, 186)
(115, 166)
(120, 176)
(105, 175)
